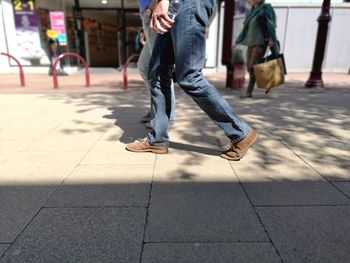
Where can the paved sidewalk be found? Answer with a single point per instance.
(70, 192)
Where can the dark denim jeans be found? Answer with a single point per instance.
(184, 45)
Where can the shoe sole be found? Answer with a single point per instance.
(156, 151)
(244, 153)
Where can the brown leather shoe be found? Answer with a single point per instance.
(239, 149)
(144, 146)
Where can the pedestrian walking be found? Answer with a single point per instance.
(146, 8)
(183, 42)
(259, 32)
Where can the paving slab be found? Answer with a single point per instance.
(344, 186)
(79, 130)
(3, 248)
(117, 155)
(26, 130)
(201, 212)
(19, 204)
(9, 148)
(105, 185)
(336, 152)
(309, 234)
(313, 140)
(270, 151)
(209, 252)
(125, 133)
(334, 172)
(39, 168)
(63, 144)
(287, 184)
(81, 235)
(195, 164)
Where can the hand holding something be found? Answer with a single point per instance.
(160, 21)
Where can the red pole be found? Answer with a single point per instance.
(125, 73)
(21, 72)
(70, 54)
(315, 79)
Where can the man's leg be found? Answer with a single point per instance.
(144, 61)
(188, 35)
(160, 77)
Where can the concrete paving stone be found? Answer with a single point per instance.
(201, 212)
(309, 234)
(23, 130)
(209, 147)
(329, 154)
(206, 135)
(337, 171)
(19, 204)
(125, 133)
(186, 166)
(3, 248)
(39, 168)
(9, 148)
(12, 107)
(313, 140)
(105, 185)
(209, 252)
(81, 235)
(12, 146)
(78, 129)
(63, 144)
(269, 151)
(287, 184)
(340, 134)
(344, 186)
(104, 154)
(112, 135)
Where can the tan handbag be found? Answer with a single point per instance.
(270, 73)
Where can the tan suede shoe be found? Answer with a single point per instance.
(144, 146)
(239, 149)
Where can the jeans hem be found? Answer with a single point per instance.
(159, 144)
(162, 144)
(241, 138)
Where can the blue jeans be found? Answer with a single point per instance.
(145, 57)
(184, 45)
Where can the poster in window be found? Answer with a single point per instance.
(28, 46)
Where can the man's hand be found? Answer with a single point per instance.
(160, 21)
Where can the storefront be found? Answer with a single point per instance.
(101, 31)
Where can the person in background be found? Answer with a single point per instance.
(139, 41)
(259, 32)
(146, 9)
(183, 42)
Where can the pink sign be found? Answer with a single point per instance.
(58, 25)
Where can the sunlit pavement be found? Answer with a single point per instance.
(69, 192)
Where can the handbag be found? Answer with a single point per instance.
(269, 71)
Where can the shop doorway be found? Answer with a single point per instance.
(109, 35)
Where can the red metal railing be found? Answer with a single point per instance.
(21, 73)
(125, 74)
(70, 54)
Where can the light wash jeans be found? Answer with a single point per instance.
(143, 63)
(184, 45)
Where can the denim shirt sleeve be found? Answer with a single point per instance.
(144, 5)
